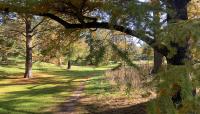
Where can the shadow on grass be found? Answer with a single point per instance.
(38, 89)
(9, 106)
(77, 74)
(10, 71)
(99, 90)
(34, 100)
(130, 109)
(3, 75)
(8, 63)
(38, 92)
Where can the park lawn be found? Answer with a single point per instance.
(50, 86)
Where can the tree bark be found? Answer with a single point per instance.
(157, 63)
(158, 57)
(69, 64)
(28, 64)
(181, 55)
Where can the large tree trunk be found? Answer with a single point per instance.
(158, 57)
(181, 55)
(28, 64)
(180, 58)
(157, 63)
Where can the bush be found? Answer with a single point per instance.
(125, 78)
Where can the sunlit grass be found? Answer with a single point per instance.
(21, 96)
(50, 86)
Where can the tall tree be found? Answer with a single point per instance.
(29, 50)
(158, 57)
(24, 26)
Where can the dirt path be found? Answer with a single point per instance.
(80, 103)
(69, 107)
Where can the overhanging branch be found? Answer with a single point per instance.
(104, 25)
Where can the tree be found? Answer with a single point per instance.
(28, 64)
(17, 29)
(158, 57)
(70, 52)
(29, 29)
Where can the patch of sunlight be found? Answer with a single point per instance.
(82, 68)
(13, 88)
(10, 70)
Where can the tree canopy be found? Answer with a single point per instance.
(90, 14)
(131, 17)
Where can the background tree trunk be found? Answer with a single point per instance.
(59, 61)
(4, 57)
(69, 64)
(28, 64)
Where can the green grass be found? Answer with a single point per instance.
(97, 85)
(50, 86)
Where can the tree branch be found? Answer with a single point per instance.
(38, 24)
(104, 25)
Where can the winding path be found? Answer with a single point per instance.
(69, 107)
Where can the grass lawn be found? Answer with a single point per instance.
(50, 86)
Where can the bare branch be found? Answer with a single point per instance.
(37, 25)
